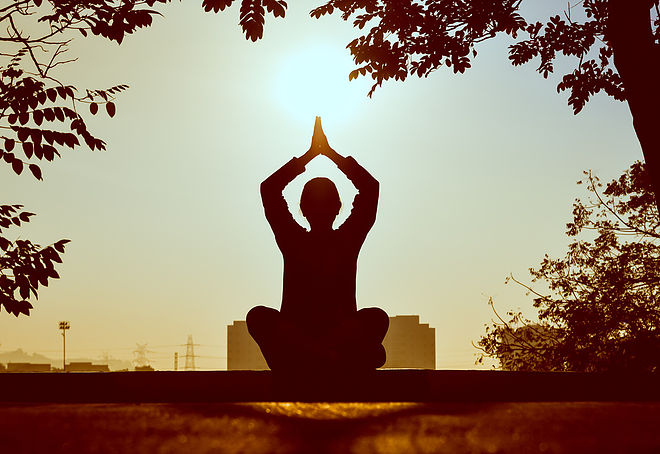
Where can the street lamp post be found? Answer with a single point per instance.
(64, 326)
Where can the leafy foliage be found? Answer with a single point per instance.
(521, 345)
(252, 13)
(40, 116)
(417, 37)
(23, 265)
(583, 39)
(603, 312)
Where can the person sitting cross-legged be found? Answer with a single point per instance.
(318, 325)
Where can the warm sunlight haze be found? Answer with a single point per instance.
(168, 236)
(313, 80)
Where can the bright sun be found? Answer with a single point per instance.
(313, 80)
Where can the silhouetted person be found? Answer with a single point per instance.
(319, 325)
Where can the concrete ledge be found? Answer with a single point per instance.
(406, 385)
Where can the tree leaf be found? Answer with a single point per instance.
(48, 152)
(36, 171)
(52, 94)
(93, 108)
(24, 288)
(59, 246)
(27, 149)
(23, 134)
(24, 307)
(38, 117)
(25, 216)
(17, 165)
(39, 151)
(111, 109)
(59, 113)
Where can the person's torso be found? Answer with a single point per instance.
(319, 275)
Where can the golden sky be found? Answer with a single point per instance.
(477, 175)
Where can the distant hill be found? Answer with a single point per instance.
(20, 356)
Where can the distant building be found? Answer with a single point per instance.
(243, 353)
(86, 367)
(28, 367)
(409, 345)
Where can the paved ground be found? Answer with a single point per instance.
(553, 427)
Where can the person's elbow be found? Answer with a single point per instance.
(373, 186)
(369, 192)
(266, 187)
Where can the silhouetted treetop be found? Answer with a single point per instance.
(414, 38)
(602, 308)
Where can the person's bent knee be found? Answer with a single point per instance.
(376, 319)
(380, 357)
(260, 319)
(375, 315)
(258, 313)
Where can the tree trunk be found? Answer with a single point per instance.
(637, 59)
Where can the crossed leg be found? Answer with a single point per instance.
(353, 342)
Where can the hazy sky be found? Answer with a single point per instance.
(477, 175)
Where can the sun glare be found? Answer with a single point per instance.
(313, 80)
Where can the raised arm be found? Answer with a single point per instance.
(365, 204)
(275, 207)
(364, 182)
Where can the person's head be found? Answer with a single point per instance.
(320, 202)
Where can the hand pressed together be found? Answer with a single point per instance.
(320, 145)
